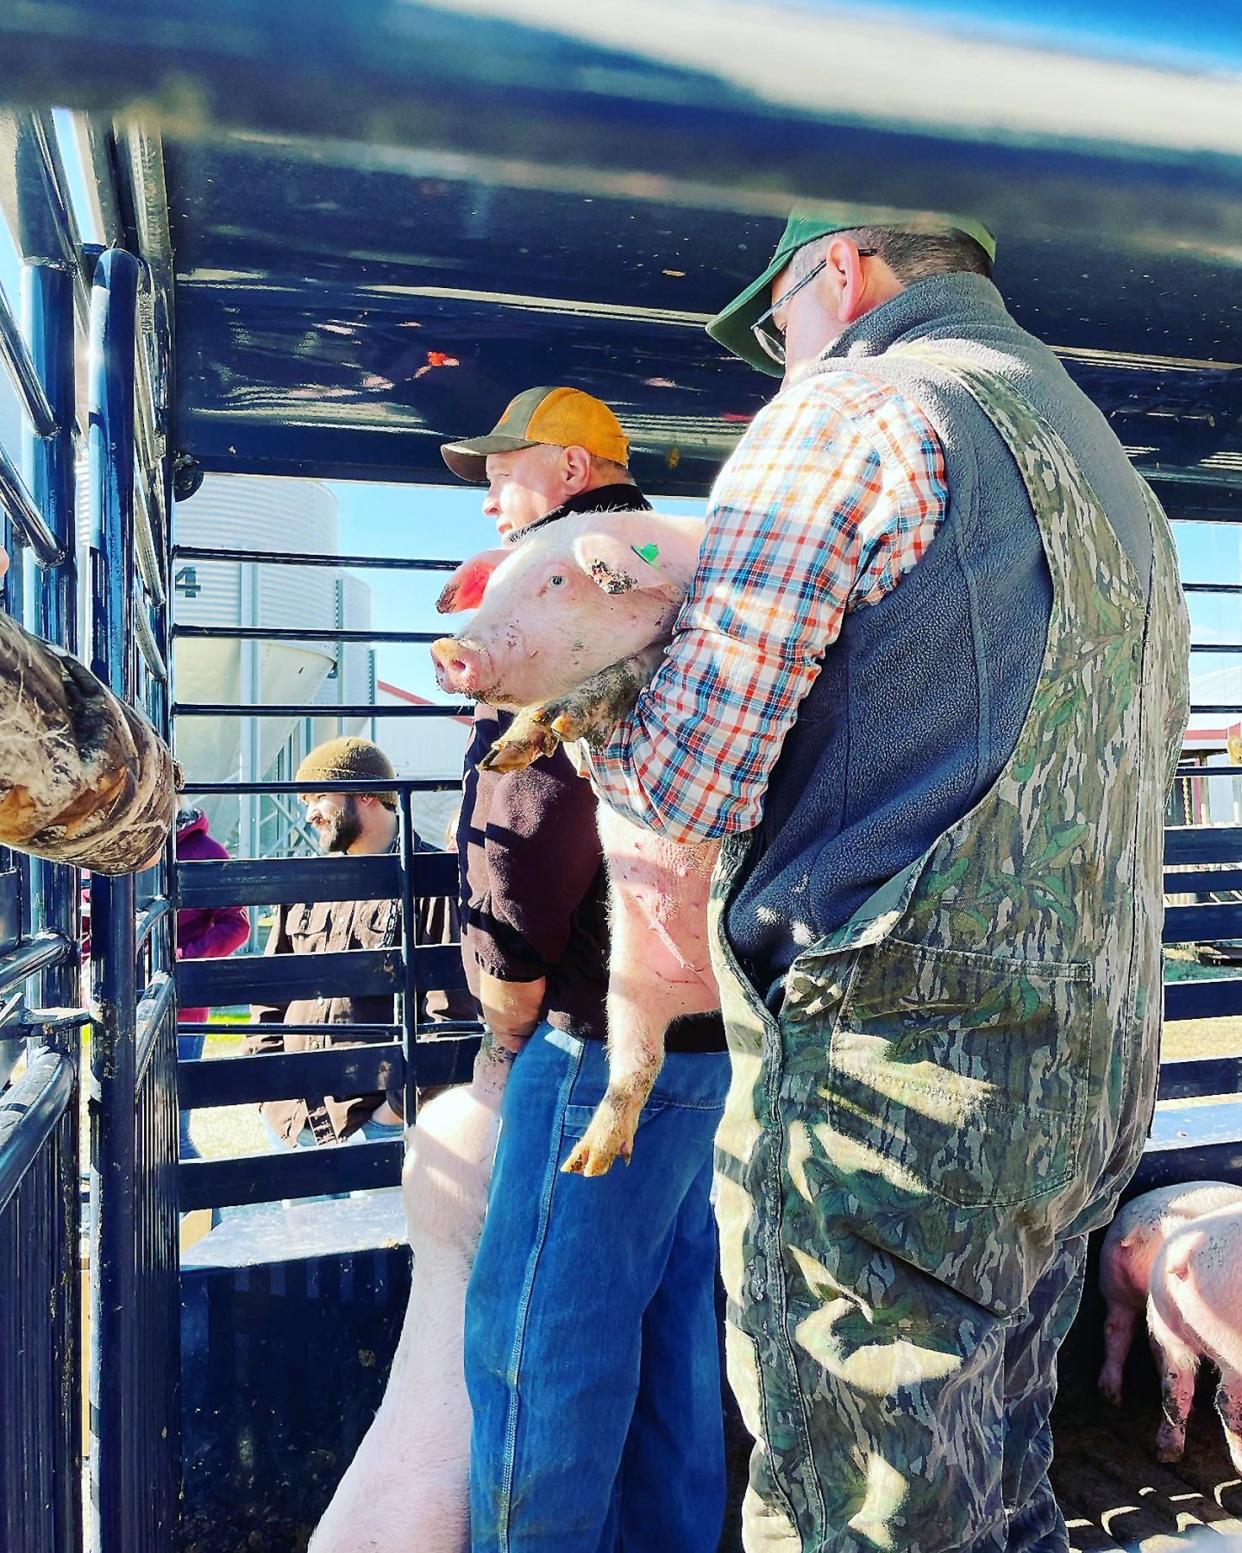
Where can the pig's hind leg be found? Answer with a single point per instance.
(659, 970)
(1229, 1407)
(1119, 1327)
(1178, 1365)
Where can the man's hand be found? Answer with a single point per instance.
(511, 1009)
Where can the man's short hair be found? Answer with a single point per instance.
(910, 255)
(608, 469)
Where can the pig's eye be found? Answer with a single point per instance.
(557, 582)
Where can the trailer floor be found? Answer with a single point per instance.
(1117, 1498)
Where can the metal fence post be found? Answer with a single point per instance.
(113, 970)
(51, 596)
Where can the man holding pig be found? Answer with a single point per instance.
(591, 1339)
(929, 686)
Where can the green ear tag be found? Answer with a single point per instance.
(646, 553)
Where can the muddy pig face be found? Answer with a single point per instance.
(563, 605)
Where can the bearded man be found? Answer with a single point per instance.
(353, 824)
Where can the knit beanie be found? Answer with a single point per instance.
(347, 760)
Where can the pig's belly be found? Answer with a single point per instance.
(659, 905)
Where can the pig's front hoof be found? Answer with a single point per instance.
(520, 747)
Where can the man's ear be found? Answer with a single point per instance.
(466, 587)
(618, 564)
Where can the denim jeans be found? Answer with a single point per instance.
(591, 1335)
(189, 1049)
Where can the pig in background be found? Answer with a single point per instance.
(578, 614)
(1174, 1253)
(407, 1489)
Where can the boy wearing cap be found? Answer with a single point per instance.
(929, 686)
(354, 824)
(591, 1336)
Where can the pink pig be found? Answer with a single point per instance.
(1172, 1252)
(407, 1489)
(584, 606)
(1130, 1247)
(1194, 1311)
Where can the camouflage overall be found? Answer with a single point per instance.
(957, 1088)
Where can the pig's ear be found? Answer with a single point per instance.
(466, 587)
(619, 564)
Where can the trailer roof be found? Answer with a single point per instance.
(386, 218)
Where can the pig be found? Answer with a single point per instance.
(407, 1489)
(567, 626)
(1130, 1248)
(1194, 1311)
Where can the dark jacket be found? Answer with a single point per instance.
(323, 928)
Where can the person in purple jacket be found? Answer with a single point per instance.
(207, 933)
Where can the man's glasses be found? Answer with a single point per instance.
(768, 333)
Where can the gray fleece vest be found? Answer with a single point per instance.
(921, 699)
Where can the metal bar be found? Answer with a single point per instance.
(148, 920)
(27, 520)
(1203, 999)
(365, 1033)
(28, 1113)
(147, 551)
(17, 358)
(38, 954)
(414, 784)
(152, 1009)
(309, 709)
(95, 150)
(48, 310)
(1207, 771)
(225, 1183)
(1202, 924)
(147, 645)
(284, 881)
(349, 1070)
(1200, 1076)
(1203, 881)
(281, 978)
(1202, 843)
(409, 979)
(1216, 647)
(293, 634)
(1212, 587)
(1215, 709)
(389, 563)
(113, 992)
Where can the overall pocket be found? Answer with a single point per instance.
(963, 1075)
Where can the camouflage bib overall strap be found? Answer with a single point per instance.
(958, 1085)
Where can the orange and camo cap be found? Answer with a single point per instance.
(555, 417)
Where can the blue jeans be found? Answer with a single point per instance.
(189, 1049)
(592, 1355)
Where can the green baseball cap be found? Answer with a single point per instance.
(731, 327)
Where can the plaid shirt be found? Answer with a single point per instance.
(835, 491)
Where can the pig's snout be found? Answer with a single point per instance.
(461, 667)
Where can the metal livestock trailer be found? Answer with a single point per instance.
(324, 240)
